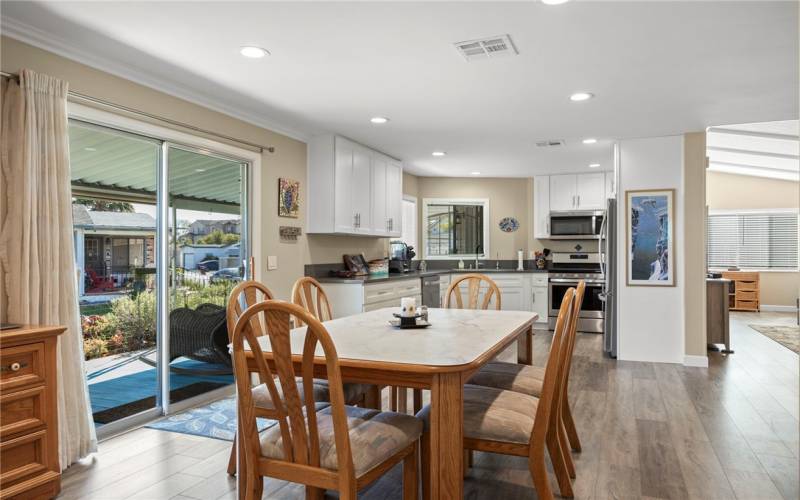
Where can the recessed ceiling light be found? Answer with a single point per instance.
(253, 52)
(475, 173)
(590, 140)
(199, 170)
(90, 149)
(438, 153)
(554, 2)
(379, 120)
(581, 96)
(594, 165)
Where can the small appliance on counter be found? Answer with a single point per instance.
(400, 256)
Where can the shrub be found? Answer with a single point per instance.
(135, 319)
(94, 348)
(96, 326)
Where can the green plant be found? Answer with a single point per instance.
(135, 318)
(94, 348)
(96, 326)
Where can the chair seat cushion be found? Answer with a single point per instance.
(375, 437)
(495, 415)
(352, 393)
(511, 377)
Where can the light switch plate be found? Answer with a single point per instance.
(272, 262)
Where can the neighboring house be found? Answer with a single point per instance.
(202, 227)
(108, 245)
(190, 255)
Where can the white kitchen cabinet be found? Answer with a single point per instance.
(541, 207)
(540, 299)
(354, 297)
(562, 193)
(352, 189)
(590, 191)
(394, 198)
(577, 192)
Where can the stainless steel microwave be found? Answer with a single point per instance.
(574, 225)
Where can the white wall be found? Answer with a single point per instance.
(651, 323)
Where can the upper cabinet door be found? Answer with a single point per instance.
(344, 214)
(394, 198)
(380, 219)
(563, 193)
(590, 192)
(361, 183)
(541, 207)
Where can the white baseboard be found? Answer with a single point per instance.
(769, 308)
(697, 361)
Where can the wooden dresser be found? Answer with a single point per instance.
(745, 292)
(29, 464)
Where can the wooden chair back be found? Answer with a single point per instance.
(244, 295)
(296, 416)
(552, 385)
(572, 335)
(309, 294)
(474, 282)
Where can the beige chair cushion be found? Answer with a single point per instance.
(375, 437)
(495, 415)
(352, 393)
(511, 377)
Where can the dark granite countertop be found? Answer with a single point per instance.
(419, 274)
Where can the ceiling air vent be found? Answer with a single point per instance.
(487, 48)
(550, 143)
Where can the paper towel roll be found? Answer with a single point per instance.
(519, 261)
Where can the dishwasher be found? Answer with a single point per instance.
(430, 291)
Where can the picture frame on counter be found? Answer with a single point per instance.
(650, 237)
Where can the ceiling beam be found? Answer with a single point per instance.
(784, 175)
(753, 153)
(753, 133)
(755, 167)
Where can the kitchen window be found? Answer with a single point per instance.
(455, 228)
(409, 235)
(750, 239)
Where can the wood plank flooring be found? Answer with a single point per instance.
(648, 431)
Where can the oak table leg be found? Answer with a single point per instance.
(525, 347)
(447, 436)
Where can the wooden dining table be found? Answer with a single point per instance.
(440, 358)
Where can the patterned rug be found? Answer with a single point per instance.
(788, 336)
(215, 420)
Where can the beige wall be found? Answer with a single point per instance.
(694, 244)
(288, 160)
(728, 191)
(507, 197)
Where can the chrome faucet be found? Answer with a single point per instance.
(477, 248)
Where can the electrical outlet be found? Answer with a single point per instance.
(272, 262)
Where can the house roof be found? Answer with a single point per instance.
(81, 217)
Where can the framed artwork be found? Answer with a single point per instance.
(650, 241)
(288, 198)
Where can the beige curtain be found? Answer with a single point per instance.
(37, 262)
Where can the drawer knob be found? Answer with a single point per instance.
(13, 367)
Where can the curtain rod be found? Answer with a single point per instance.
(95, 100)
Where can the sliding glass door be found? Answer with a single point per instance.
(161, 236)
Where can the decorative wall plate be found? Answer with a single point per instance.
(509, 224)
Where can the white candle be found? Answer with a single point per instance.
(408, 306)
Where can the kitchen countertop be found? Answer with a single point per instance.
(418, 275)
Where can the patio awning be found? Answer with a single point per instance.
(119, 166)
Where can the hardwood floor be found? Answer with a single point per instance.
(648, 431)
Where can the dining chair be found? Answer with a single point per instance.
(323, 445)
(309, 294)
(528, 380)
(244, 295)
(512, 423)
(475, 282)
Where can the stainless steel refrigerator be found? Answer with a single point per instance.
(608, 264)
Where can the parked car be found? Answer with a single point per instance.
(208, 265)
(227, 274)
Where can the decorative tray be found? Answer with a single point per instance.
(417, 324)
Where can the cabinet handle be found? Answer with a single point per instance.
(579, 200)
(13, 367)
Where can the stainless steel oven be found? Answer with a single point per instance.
(576, 225)
(591, 316)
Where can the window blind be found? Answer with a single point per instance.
(753, 240)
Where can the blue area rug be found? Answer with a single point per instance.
(215, 420)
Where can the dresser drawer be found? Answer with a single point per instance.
(21, 366)
(22, 457)
(22, 411)
(746, 295)
(749, 305)
(746, 285)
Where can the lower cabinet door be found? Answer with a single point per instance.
(512, 299)
(540, 303)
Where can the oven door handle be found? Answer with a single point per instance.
(575, 282)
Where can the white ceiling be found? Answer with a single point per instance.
(657, 68)
(769, 149)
